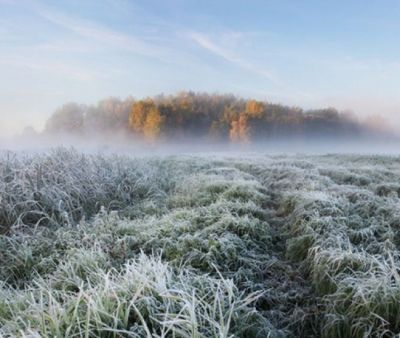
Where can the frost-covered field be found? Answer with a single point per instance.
(183, 246)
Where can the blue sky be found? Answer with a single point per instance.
(306, 53)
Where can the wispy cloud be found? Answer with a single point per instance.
(206, 42)
(105, 35)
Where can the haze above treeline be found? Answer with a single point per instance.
(213, 117)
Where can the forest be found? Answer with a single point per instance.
(215, 117)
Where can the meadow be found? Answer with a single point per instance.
(199, 246)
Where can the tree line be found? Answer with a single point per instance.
(201, 115)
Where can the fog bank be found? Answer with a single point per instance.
(128, 145)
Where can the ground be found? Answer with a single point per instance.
(199, 246)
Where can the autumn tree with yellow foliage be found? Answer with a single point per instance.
(153, 124)
(146, 119)
(240, 129)
(240, 132)
(254, 108)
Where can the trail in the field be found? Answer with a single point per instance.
(289, 301)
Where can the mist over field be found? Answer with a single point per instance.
(122, 145)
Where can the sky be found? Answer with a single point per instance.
(307, 53)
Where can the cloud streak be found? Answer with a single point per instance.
(206, 43)
(104, 35)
